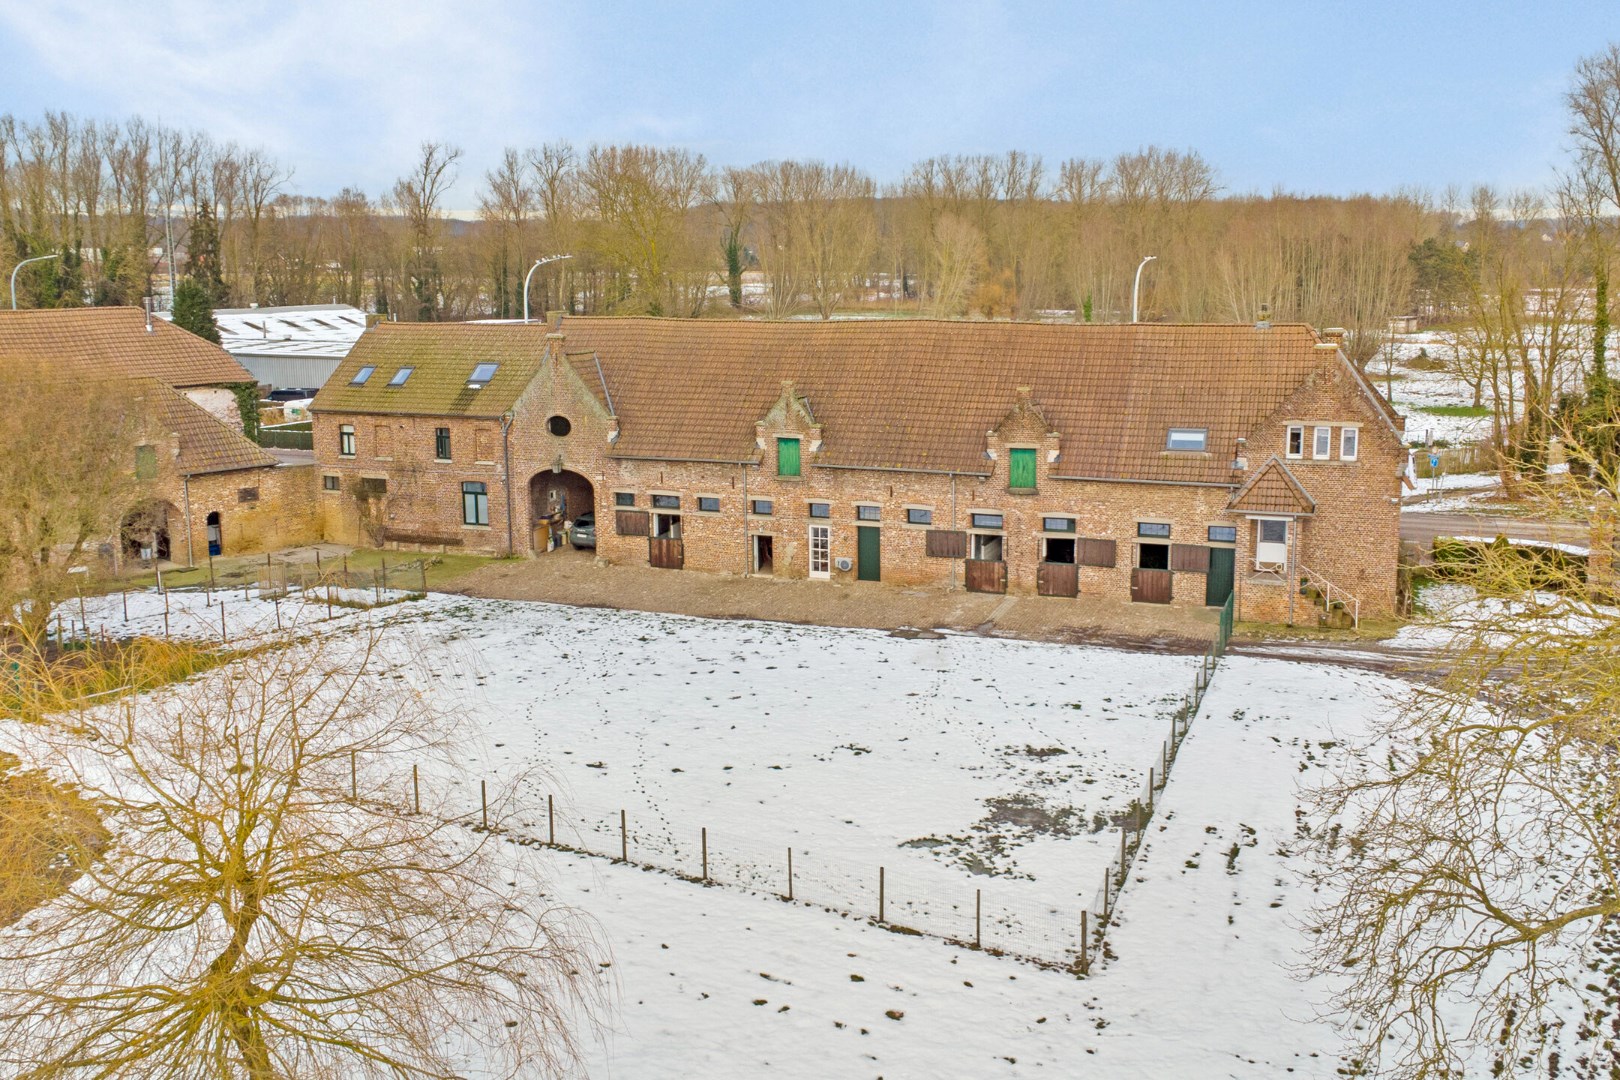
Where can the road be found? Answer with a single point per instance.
(1423, 528)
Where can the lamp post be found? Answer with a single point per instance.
(538, 263)
(1136, 289)
(19, 266)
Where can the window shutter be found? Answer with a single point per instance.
(1192, 558)
(946, 543)
(787, 457)
(1021, 469)
(630, 522)
(1092, 552)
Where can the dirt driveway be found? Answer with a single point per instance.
(572, 577)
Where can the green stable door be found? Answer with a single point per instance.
(868, 553)
(1218, 582)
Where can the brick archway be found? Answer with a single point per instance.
(559, 497)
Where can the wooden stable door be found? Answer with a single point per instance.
(868, 553)
(1057, 579)
(985, 575)
(1218, 586)
(1150, 586)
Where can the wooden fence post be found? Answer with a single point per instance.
(1085, 941)
(416, 789)
(1122, 856)
(880, 894)
(384, 561)
(978, 918)
(551, 819)
(705, 854)
(1108, 880)
(423, 564)
(224, 637)
(483, 799)
(276, 600)
(790, 874)
(124, 594)
(624, 839)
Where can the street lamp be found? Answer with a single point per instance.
(19, 266)
(538, 263)
(1136, 289)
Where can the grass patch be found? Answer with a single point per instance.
(362, 565)
(34, 686)
(1455, 410)
(48, 835)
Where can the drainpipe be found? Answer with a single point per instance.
(1293, 566)
(506, 451)
(955, 563)
(748, 555)
(185, 499)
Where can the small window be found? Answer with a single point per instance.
(371, 486)
(441, 443)
(1274, 532)
(1322, 444)
(247, 495)
(821, 510)
(474, 503)
(985, 548)
(1057, 524)
(400, 376)
(346, 440)
(1156, 529)
(666, 502)
(709, 504)
(761, 507)
(1296, 441)
(787, 457)
(917, 515)
(145, 462)
(987, 521)
(362, 375)
(481, 375)
(1187, 439)
(1223, 534)
(330, 482)
(868, 513)
(624, 498)
(1349, 443)
(559, 426)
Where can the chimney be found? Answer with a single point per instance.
(1334, 335)
(1264, 322)
(146, 306)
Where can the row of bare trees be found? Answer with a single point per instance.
(659, 230)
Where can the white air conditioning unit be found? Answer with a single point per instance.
(845, 565)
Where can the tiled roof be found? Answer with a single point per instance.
(1272, 490)
(207, 445)
(113, 342)
(443, 356)
(918, 394)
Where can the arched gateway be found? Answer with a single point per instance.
(556, 499)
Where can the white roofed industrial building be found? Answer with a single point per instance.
(297, 346)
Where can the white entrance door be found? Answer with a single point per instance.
(820, 551)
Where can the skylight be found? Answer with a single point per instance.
(1194, 439)
(362, 375)
(481, 376)
(400, 376)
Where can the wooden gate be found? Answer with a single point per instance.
(1057, 579)
(983, 575)
(1150, 586)
(666, 554)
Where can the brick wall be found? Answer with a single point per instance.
(259, 510)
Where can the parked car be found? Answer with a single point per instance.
(583, 534)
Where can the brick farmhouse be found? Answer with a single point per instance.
(1177, 464)
(208, 488)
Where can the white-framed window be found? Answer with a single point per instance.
(1322, 443)
(1187, 439)
(820, 551)
(1271, 544)
(1296, 440)
(1349, 443)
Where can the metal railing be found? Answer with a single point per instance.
(1331, 595)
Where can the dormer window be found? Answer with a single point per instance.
(1190, 440)
(400, 376)
(362, 375)
(481, 375)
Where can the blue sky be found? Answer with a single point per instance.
(1322, 97)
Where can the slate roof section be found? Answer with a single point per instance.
(920, 394)
(207, 445)
(113, 342)
(443, 354)
(1273, 490)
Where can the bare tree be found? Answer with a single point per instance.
(273, 907)
(419, 196)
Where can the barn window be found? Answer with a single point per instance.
(1156, 529)
(247, 494)
(330, 482)
(474, 503)
(346, 440)
(919, 515)
(441, 444)
(709, 504)
(761, 507)
(1021, 469)
(987, 521)
(666, 502)
(559, 426)
(787, 457)
(624, 498)
(820, 510)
